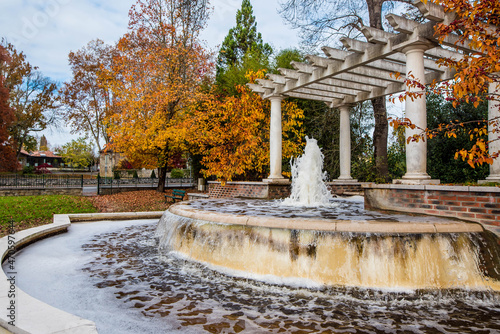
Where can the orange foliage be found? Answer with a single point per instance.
(476, 25)
(233, 133)
(156, 76)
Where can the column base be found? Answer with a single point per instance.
(416, 181)
(490, 179)
(345, 180)
(276, 180)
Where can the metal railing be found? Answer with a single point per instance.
(146, 182)
(41, 181)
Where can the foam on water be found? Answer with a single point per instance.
(114, 276)
(51, 271)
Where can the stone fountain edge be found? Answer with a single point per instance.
(43, 318)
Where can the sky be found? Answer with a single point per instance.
(47, 30)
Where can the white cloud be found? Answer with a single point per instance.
(47, 30)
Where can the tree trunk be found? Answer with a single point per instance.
(380, 134)
(380, 131)
(162, 177)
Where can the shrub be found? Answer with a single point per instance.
(135, 176)
(176, 173)
(116, 175)
(42, 169)
(28, 170)
(153, 175)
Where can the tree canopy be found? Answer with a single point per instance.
(32, 96)
(77, 153)
(8, 159)
(241, 51)
(241, 39)
(156, 76)
(87, 98)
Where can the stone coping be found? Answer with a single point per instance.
(431, 187)
(331, 225)
(240, 182)
(33, 315)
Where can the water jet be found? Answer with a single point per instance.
(332, 242)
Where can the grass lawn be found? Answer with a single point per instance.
(31, 211)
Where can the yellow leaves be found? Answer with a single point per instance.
(154, 85)
(233, 133)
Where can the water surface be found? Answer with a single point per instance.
(111, 273)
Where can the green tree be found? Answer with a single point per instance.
(284, 57)
(241, 50)
(78, 153)
(441, 149)
(44, 145)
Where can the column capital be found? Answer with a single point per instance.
(275, 97)
(419, 46)
(346, 106)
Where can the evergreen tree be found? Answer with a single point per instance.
(44, 146)
(242, 48)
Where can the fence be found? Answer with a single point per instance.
(41, 181)
(110, 183)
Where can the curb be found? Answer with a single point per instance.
(35, 316)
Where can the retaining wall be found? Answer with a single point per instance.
(265, 190)
(40, 191)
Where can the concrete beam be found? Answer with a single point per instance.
(309, 97)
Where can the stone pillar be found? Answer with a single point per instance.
(494, 114)
(275, 141)
(345, 144)
(416, 152)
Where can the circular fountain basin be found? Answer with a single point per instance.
(336, 245)
(270, 214)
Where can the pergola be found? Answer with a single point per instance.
(366, 71)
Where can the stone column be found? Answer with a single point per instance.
(494, 114)
(416, 152)
(345, 144)
(275, 141)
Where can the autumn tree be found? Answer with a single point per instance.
(478, 25)
(8, 161)
(77, 153)
(32, 96)
(156, 76)
(233, 132)
(475, 26)
(87, 98)
(322, 21)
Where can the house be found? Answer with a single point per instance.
(108, 160)
(38, 158)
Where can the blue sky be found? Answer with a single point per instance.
(47, 30)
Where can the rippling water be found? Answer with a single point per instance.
(168, 294)
(348, 208)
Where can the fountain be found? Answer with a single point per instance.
(247, 266)
(332, 242)
(308, 179)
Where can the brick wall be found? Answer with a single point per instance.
(238, 189)
(345, 188)
(271, 190)
(476, 204)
